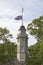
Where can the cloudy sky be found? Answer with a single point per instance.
(9, 9)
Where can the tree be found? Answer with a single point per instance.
(36, 51)
(8, 52)
(4, 34)
(8, 49)
(36, 28)
(36, 54)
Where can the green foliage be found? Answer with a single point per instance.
(8, 49)
(36, 28)
(36, 51)
(7, 52)
(36, 54)
(4, 34)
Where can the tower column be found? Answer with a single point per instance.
(22, 45)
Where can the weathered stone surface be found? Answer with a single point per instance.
(22, 45)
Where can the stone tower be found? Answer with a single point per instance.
(22, 45)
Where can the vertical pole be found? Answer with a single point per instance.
(22, 16)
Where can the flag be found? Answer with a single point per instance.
(18, 17)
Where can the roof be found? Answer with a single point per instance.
(22, 28)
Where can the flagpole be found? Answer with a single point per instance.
(22, 16)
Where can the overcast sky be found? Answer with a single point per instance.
(9, 9)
